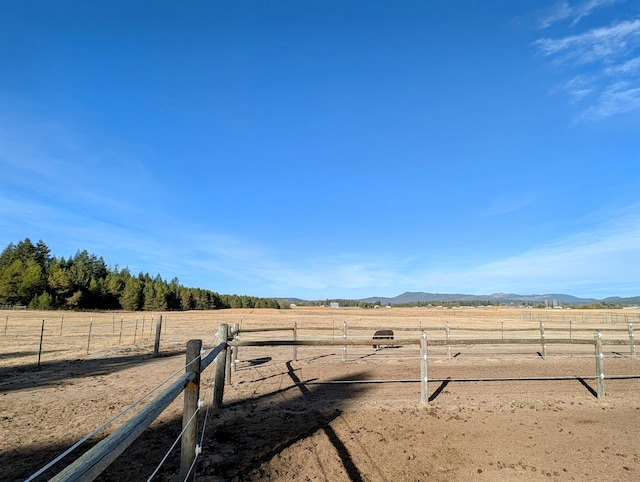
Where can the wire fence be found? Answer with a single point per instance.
(547, 336)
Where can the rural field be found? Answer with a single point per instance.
(496, 412)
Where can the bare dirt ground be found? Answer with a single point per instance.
(282, 420)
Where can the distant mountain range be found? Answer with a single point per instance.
(502, 298)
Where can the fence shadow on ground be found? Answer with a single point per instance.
(239, 438)
(253, 431)
(137, 462)
(50, 373)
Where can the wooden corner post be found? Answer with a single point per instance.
(221, 366)
(189, 418)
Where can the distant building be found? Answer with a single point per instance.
(334, 305)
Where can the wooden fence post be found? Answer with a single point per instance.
(221, 361)
(156, 346)
(544, 345)
(344, 337)
(448, 335)
(89, 336)
(424, 392)
(295, 338)
(599, 366)
(40, 350)
(189, 422)
(570, 328)
(234, 349)
(227, 359)
(632, 345)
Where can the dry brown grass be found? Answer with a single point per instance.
(275, 429)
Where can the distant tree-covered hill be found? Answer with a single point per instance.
(419, 298)
(30, 276)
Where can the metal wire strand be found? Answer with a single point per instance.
(103, 426)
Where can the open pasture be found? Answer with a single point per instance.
(294, 414)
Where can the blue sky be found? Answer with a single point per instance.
(329, 149)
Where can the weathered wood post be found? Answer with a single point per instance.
(632, 346)
(234, 349)
(448, 336)
(6, 322)
(424, 392)
(120, 338)
(542, 341)
(344, 337)
(189, 418)
(156, 346)
(502, 324)
(599, 365)
(89, 336)
(218, 384)
(61, 322)
(227, 359)
(295, 338)
(40, 350)
(135, 333)
(570, 328)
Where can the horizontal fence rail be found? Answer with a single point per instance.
(93, 462)
(342, 339)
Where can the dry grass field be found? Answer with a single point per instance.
(480, 423)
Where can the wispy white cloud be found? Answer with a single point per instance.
(600, 44)
(505, 203)
(599, 262)
(602, 261)
(630, 67)
(563, 11)
(617, 98)
(606, 66)
(557, 13)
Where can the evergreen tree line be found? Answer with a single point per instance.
(30, 276)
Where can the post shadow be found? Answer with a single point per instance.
(587, 386)
(439, 390)
(248, 440)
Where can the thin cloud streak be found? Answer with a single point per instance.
(599, 44)
(563, 11)
(617, 99)
(601, 262)
(610, 83)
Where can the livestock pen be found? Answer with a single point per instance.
(454, 346)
